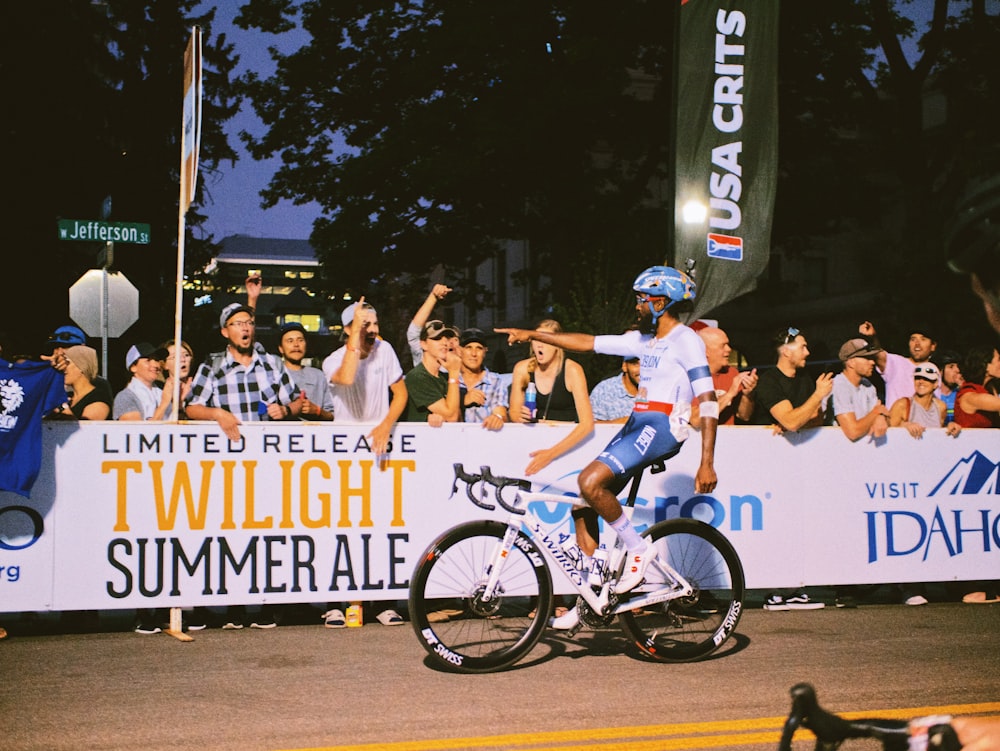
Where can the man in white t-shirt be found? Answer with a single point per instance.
(362, 375)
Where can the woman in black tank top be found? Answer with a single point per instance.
(562, 396)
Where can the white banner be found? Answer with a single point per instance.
(127, 515)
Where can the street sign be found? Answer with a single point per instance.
(91, 304)
(89, 230)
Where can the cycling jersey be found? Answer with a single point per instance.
(672, 371)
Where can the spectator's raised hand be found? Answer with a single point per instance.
(824, 385)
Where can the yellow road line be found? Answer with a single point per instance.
(716, 734)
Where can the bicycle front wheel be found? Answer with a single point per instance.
(691, 627)
(461, 630)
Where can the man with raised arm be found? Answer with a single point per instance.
(673, 373)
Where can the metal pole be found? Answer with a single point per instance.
(105, 306)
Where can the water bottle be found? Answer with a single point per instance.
(598, 567)
(531, 400)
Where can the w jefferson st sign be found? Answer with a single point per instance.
(94, 231)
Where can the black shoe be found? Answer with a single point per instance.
(846, 601)
(147, 628)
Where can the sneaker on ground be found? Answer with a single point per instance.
(390, 618)
(264, 624)
(566, 621)
(845, 602)
(980, 597)
(801, 601)
(635, 569)
(145, 628)
(334, 619)
(231, 626)
(775, 601)
(197, 626)
(915, 600)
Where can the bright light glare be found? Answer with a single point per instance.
(694, 212)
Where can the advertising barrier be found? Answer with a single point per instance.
(129, 515)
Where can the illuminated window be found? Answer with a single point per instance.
(309, 322)
(307, 274)
(291, 274)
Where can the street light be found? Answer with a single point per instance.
(694, 212)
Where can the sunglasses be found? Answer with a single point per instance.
(433, 329)
(65, 336)
(790, 334)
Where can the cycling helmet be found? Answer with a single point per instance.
(664, 281)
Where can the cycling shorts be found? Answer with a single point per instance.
(645, 438)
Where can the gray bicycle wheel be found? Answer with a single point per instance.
(692, 627)
(461, 632)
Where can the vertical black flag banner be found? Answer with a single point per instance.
(727, 144)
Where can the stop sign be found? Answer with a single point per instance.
(87, 303)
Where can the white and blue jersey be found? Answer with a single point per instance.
(673, 371)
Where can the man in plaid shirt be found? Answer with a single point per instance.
(244, 383)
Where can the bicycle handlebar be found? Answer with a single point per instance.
(484, 478)
(831, 730)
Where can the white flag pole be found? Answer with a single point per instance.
(190, 146)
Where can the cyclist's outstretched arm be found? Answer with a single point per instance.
(572, 341)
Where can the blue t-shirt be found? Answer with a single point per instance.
(28, 391)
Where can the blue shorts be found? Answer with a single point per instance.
(644, 439)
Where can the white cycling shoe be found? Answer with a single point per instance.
(635, 569)
(567, 621)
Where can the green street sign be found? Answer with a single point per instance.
(112, 232)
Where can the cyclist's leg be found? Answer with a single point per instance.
(644, 438)
(588, 532)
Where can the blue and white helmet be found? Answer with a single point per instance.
(664, 281)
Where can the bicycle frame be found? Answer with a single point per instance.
(522, 517)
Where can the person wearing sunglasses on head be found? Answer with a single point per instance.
(787, 398)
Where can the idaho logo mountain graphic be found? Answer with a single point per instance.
(974, 475)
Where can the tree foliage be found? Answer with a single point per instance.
(427, 129)
(94, 110)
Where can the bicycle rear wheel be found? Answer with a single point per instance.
(462, 632)
(692, 627)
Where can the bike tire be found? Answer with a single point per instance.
(689, 628)
(473, 636)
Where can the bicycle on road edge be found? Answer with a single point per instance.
(482, 592)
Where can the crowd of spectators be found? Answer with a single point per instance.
(364, 382)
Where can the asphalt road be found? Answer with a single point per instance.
(307, 687)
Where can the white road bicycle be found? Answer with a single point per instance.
(481, 594)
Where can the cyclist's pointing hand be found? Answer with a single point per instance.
(515, 336)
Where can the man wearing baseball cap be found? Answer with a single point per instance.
(923, 409)
(484, 395)
(856, 406)
(432, 385)
(366, 379)
(317, 404)
(142, 399)
(244, 383)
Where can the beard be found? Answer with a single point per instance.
(644, 322)
(243, 349)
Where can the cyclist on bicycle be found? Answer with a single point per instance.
(673, 371)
